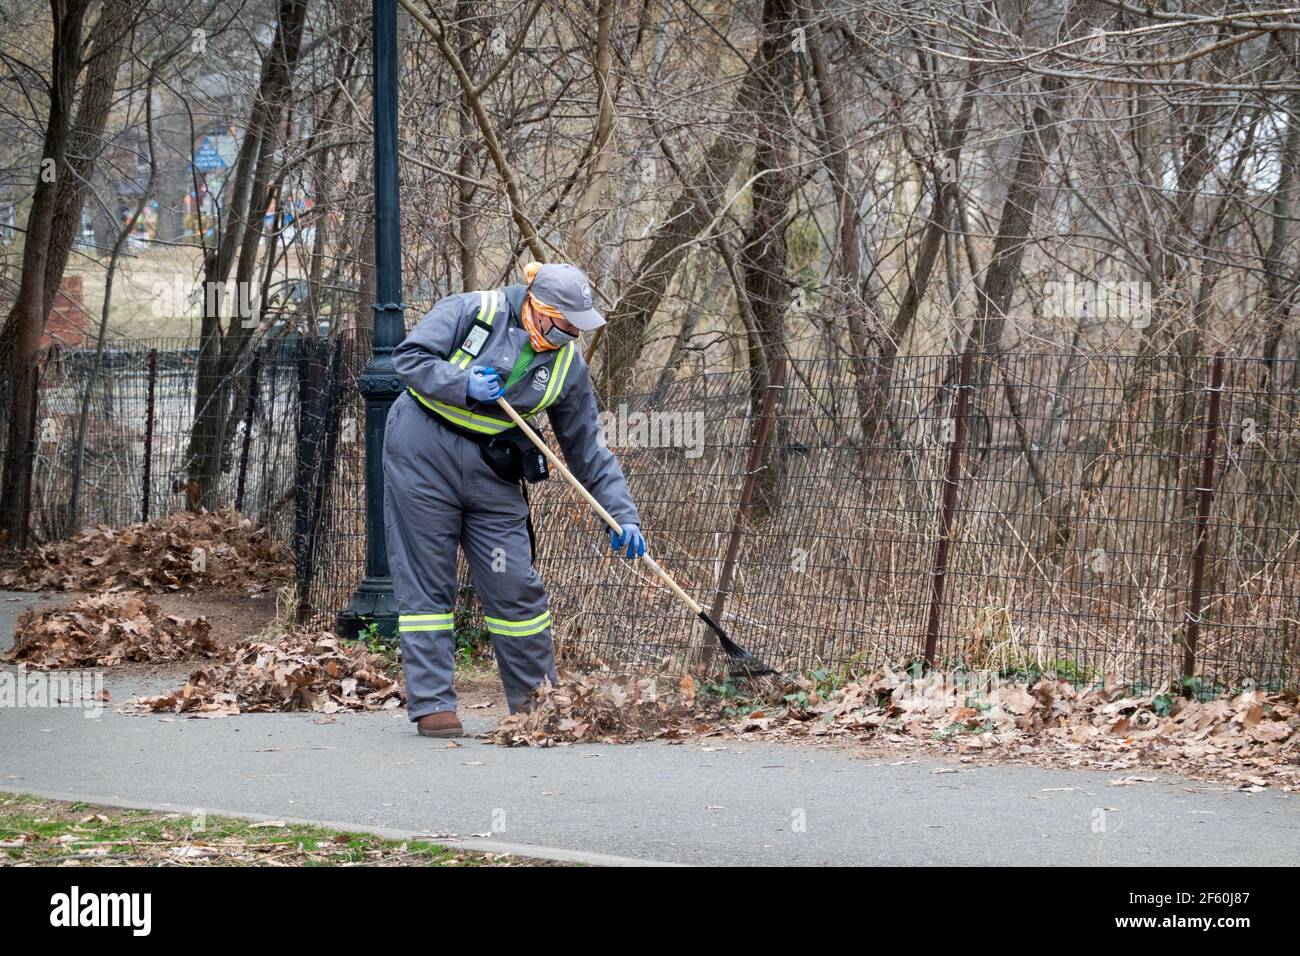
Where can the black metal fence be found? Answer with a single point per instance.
(137, 427)
(1088, 515)
(1083, 536)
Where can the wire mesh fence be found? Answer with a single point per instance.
(131, 412)
(1075, 514)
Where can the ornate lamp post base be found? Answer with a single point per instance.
(372, 603)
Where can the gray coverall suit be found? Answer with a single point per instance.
(438, 491)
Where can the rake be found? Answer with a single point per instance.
(742, 665)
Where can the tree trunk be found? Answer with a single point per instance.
(1279, 287)
(1038, 142)
(21, 338)
(466, 166)
(687, 217)
(92, 380)
(763, 255)
(942, 209)
(582, 238)
(107, 41)
(219, 351)
(853, 297)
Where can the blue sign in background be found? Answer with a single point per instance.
(206, 156)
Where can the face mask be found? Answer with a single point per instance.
(552, 338)
(558, 337)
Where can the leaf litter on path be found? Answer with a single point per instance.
(182, 551)
(1249, 739)
(600, 707)
(300, 670)
(104, 630)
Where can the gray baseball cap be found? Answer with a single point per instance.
(564, 287)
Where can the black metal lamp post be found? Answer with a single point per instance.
(374, 602)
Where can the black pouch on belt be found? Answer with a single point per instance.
(503, 457)
(512, 457)
(534, 463)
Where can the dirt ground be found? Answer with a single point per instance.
(480, 693)
(233, 617)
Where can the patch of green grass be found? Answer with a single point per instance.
(738, 701)
(473, 646)
(50, 832)
(1066, 668)
(735, 702)
(960, 729)
(827, 680)
(386, 648)
(473, 640)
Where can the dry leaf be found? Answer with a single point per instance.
(183, 550)
(596, 707)
(301, 670)
(104, 630)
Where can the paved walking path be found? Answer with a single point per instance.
(710, 802)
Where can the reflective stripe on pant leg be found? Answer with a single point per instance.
(422, 518)
(503, 628)
(424, 622)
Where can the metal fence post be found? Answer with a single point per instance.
(25, 525)
(306, 445)
(249, 406)
(147, 480)
(952, 477)
(1204, 502)
(314, 483)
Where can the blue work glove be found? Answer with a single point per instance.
(485, 384)
(630, 539)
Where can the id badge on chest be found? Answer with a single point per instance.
(474, 341)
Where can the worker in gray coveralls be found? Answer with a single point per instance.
(455, 468)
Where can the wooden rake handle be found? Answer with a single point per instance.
(605, 516)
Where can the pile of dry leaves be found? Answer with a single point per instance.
(299, 670)
(105, 630)
(1252, 739)
(214, 549)
(602, 707)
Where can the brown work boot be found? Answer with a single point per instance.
(444, 723)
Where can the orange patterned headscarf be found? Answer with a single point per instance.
(532, 308)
